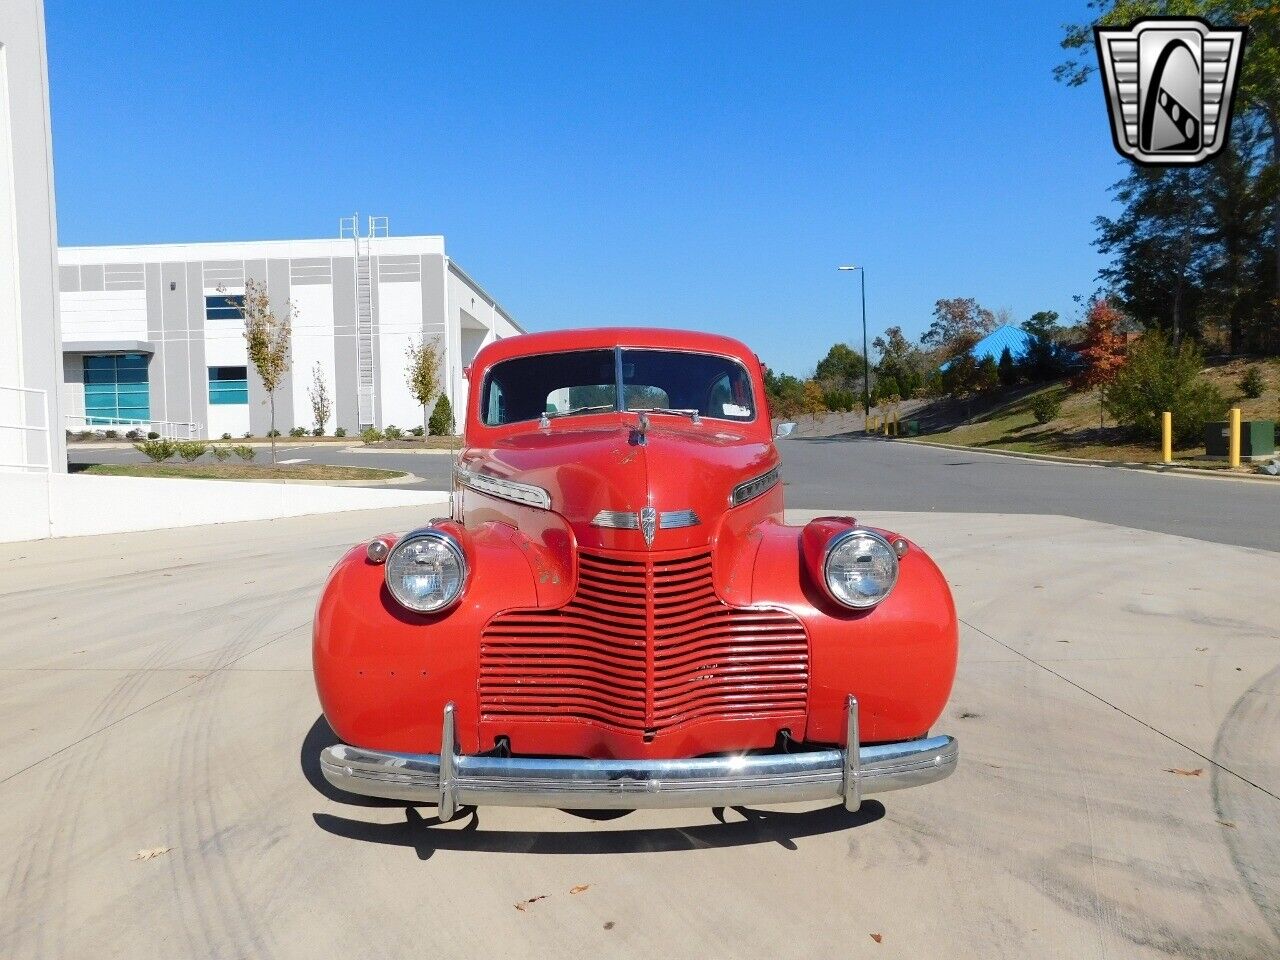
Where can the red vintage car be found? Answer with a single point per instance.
(617, 615)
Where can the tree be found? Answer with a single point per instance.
(267, 336)
(842, 367)
(321, 402)
(900, 362)
(1045, 358)
(1007, 370)
(441, 423)
(422, 375)
(1160, 377)
(1236, 192)
(988, 375)
(954, 320)
(784, 392)
(1103, 351)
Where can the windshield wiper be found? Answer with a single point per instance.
(550, 415)
(692, 414)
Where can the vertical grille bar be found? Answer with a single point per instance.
(644, 645)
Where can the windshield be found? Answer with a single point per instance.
(586, 381)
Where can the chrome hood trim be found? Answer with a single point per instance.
(525, 493)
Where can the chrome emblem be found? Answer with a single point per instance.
(1170, 84)
(648, 524)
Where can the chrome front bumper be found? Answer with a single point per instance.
(449, 779)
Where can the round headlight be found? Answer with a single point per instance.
(426, 571)
(860, 569)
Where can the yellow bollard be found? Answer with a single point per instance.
(1166, 436)
(1234, 447)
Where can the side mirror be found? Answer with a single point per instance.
(783, 430)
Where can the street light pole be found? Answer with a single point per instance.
(866, 360)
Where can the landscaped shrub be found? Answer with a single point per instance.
(158, 450)
(340, 432)
(247, 434)
(441, 421)
(370, 434)
(298, 432)
(244, 452)
(226, 436)
(191, 450)
(133, 435)
(112, 434)
(271, 434)
(318, 432)
(90, 435)
(839, 398)
(416, 432)
(1252, 384)
(1045, 406)
(220, 453)
(1158, 378)
(153, 435)
(392, 432)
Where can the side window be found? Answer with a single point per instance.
(495, 409)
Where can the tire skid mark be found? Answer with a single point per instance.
(1253, 842)
(35, 875)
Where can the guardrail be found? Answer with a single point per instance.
(169, 429)
(17, 402)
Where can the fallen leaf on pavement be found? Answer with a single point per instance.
(580, 888)
(877, 937)
(151, 854)
(1185, 773)
(608, 925)
(1227, 823)
(524, 904)
(1201, 649)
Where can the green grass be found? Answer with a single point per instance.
(239, 471)
(1076, 432)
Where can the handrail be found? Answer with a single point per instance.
(169, 429)
(23, 428)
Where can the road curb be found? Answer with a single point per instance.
(1085, 462)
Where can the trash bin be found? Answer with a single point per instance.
(911, 428)
(1257, 439)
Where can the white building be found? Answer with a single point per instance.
(30, 363)
(151, 334)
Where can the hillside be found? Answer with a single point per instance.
(1006, 422)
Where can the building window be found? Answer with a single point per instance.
(228, 385)
(225, 306)
(116, 389)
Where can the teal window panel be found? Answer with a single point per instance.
(116, 388)
(228, 385)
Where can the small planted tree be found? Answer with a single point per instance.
(267, 336)
(1103, 352)
(441, 424)
(321, 402)
(423, 375)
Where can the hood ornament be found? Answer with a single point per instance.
(648, 524)
(639, 431)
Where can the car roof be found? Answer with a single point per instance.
(596, 338)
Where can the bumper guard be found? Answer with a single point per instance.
(450, 779)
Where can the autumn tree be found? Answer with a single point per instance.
(1103, 351)
(267, 336)
(423, 376)
(958, 323)
(900, 362)
(321, 402)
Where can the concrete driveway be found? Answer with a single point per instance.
(1118, 706)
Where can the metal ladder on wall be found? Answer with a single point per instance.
(365, 366)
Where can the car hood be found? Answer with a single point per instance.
(587, 470)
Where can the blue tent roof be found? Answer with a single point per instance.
(994, 343)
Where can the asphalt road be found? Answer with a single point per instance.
(1117, 705)
(866, 474)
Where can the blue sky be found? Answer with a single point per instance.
(703, 165)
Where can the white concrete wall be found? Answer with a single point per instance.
(313, 342)
(38, 506)
(30, 342)
(399, 325)
(104, 315)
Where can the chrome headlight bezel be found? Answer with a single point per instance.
(858, 533)
(451, 544)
